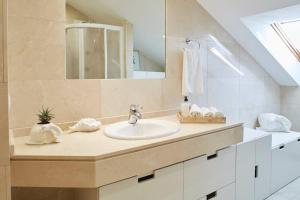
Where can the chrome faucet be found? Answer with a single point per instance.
(134, 114)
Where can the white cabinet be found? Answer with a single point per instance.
(163, 184)
(206, 174)
(285, 160)
(209, 177)
(245, 171)
(263, 158)
(226, 193)
(253, 167)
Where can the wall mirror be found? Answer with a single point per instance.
(115, 39)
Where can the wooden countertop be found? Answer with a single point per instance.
(96, 146)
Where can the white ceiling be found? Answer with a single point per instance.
(147, 17)
(230, 16)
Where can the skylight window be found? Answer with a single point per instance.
(289, 33)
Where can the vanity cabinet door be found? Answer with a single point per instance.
(253, 169)
(263, 161)
(245, 171)
(164, 184)
(206, 174)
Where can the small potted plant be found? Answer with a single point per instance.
(45, 132)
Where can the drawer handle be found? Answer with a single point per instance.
(256, 171)
(281, 147)
(146, 178)
(211, 196)
(212, 156)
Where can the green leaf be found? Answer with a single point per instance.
(45, 115)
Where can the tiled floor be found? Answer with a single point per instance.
(290, 192)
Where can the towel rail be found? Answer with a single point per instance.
(188, 41)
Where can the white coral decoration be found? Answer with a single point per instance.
(86, 125)
(45, 134)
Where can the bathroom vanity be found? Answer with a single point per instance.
(198, 162)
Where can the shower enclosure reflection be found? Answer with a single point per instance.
(94, 51)
(121, 43)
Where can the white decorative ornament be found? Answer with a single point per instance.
(45, 134)
(86, 125)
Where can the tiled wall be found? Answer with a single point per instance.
(36, 70)
(290, 105)
(36, 73)
(240, 97)
(4, 141)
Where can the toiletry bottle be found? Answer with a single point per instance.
(185, 107)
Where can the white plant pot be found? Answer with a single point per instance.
(45, 134)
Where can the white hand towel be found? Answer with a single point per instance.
(86, 125)
(195, 111)
(216, 112)
(206, 112)
(192, 72)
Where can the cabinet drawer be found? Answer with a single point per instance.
(226, 193)
(206, 174)
(163, 184)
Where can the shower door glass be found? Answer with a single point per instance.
(72, 54)
(94, 53)
(114, 69)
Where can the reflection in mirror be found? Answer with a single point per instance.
(115, 39)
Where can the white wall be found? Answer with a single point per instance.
(290, 105)
(240, 97)
(230, 19)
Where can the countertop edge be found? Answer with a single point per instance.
(93, 158)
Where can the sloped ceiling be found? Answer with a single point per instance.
(147, 16)
(233, 14)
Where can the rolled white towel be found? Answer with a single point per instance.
(86, 125)
(206, 112)
(216, 112)
(195, 111)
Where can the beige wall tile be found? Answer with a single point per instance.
(188, 19)
(4, 146)
(37, 53)
(118, 95)
(290, 105)
(290, 95)
(36, 49)
(36, 62)
(5, 183)
(224, 88)
(4, 50)
(291, 111)
(36, 31)
(174, 58)
(2, 184)
(41, 9)
(171, 93)
(1, 42)
(70, 100)
(1, 59)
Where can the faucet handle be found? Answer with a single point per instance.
(135, 107)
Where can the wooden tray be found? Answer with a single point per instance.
(201, 120)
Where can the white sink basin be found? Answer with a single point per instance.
(144, 129)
